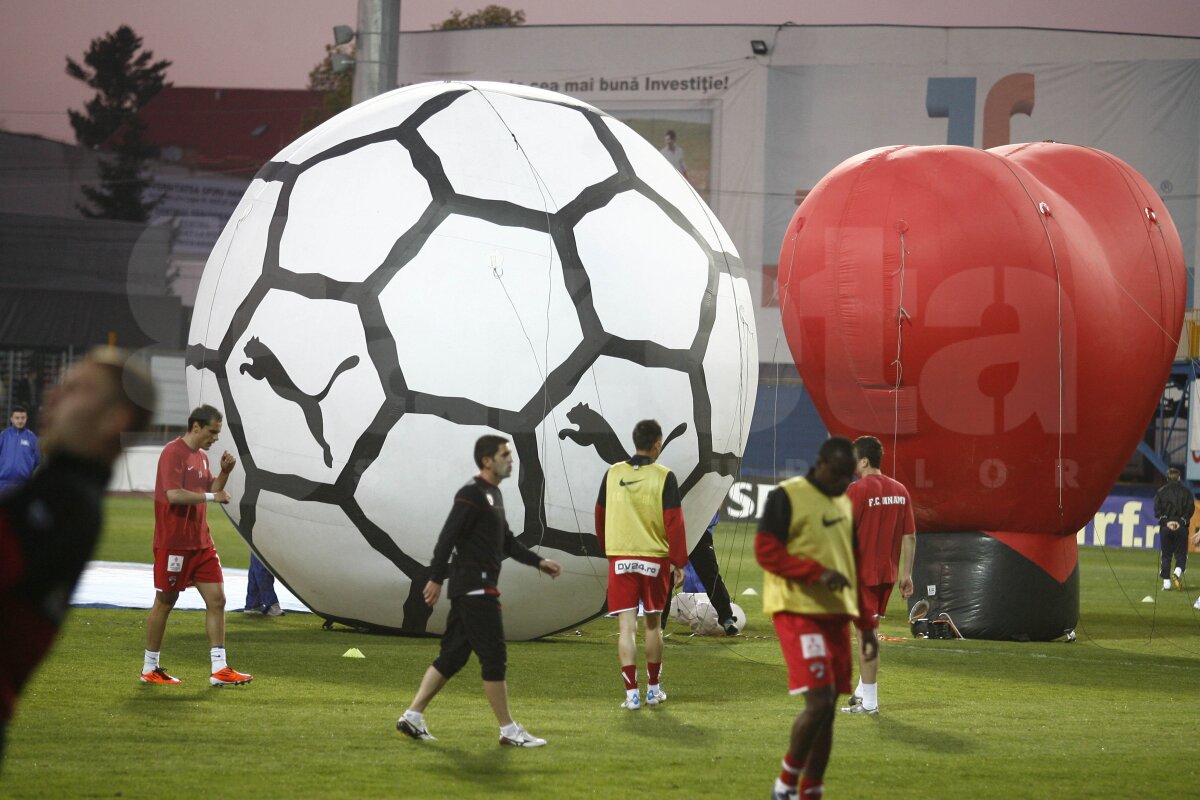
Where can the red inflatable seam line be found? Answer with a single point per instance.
(1055, 555)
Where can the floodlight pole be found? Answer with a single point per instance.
(377, 48)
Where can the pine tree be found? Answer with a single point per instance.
(125, 80)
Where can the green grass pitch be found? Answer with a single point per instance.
(1112, 716)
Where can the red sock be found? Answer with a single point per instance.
(812, 789)
(629, 673)
(652, 670)
(789, 772)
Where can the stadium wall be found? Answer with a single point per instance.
(758, 132)
(1126, 519)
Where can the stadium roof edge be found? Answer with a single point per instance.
(780, 26)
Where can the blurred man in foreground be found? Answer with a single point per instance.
(805, 545)
(49, 527)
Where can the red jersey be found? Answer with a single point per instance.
(882, 515)
(178, 527)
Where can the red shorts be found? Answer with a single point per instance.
(875, 598)
(176, 570)
(634, 578)
(817, 651)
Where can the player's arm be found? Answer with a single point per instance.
(228, 462)
(672, 506)
(1174, 515)
(170, 475)
(461, 517)
(183, 497)
(1189, 506)
(770, 543)
(600, 511)
(908, 549)
(519, 552)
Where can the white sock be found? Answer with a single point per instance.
(870, 695)
(510, 730)
(415, 717)
(150, 661)
(783, 788)
(1166, 583)
(631, 694)
(218, 659)
(1178, 572)
(858, 690)
(652, 688)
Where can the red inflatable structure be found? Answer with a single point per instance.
(1003, 320)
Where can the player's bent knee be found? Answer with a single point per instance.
(448, 668)
(493, 663)
(494, 672)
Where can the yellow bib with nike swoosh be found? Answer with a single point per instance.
(822, 529)
(633, 512)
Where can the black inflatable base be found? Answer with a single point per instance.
(991, 591)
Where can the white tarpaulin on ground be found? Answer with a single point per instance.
(117, 584)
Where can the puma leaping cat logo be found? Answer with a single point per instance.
(594, 431)
(265, 365)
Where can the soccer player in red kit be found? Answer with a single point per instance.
(184, 554)
(805, 545)
(887, 540)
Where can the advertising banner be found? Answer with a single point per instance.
(1193, 446)
(200, 206)
(683, 136)
(1127, 520)
(1124, 520)
(1146, 113)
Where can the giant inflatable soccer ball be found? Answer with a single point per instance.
(450, 260)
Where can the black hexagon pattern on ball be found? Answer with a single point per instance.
(401, 400)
